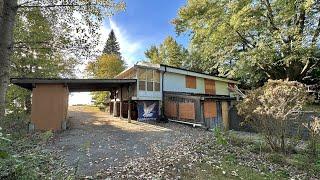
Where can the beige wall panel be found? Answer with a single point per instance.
(49, 106)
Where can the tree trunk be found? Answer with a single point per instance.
(8, 11)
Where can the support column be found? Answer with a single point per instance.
(121, 101)
(129, 104)
(115, 105)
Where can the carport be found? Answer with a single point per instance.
(50, 97)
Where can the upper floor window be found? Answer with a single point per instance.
(191, 82)
(149, 80)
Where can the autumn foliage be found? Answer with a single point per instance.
(272, 108)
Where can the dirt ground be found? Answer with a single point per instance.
(99, 146)
(96, 141)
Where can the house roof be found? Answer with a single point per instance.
(178, 70)
(75, 85)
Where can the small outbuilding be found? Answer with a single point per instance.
(50, 97)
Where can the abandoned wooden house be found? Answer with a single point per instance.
(144, 91)
(181, 95)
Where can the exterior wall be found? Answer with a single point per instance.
(222, 88)
(174, 82)
(49, 106)
(177, 83)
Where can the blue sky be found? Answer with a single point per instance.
(144, 23)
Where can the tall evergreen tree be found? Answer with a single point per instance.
(112, 45)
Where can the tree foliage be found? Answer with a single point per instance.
(31, 61)
(255, 40)
(78, 21)
(169, 53)
(106, 66)
(112, 46)
(272, 109)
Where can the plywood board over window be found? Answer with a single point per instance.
(170, 108)
(186, 111)
(191, 82)
(210, 86)
(210, 109)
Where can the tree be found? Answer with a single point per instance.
(169, 53)
(61, 16)
(106, 66)
(255, 40)
(112, 46)
(31, 61)
(273, 109)
(153, 55)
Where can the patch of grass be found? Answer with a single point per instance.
(230, 171)
(300, 161)
(276, 158)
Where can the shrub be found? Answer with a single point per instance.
(221, 138)
(314, 136)
(271, 108)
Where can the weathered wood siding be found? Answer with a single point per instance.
(183, 108)
(186, 111)
(49, 106)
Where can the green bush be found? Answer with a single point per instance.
(220, 136)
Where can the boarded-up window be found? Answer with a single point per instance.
(186, 111)
(210, 109)
(210, 87)
(191, 82)
(170, 109)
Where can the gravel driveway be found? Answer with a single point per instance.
(96, 141)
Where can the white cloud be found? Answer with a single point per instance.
(130, 49)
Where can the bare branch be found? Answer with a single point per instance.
(59, 5)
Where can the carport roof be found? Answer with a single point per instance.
(75, 85)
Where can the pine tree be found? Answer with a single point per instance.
(112, 46)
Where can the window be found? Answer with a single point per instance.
(142, 79)
(210, 87)
(142, 85)
(191, 82)
(149, 80)
(156, 76)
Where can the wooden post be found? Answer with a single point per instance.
(115, 105)
(121, 103)
(129, 104)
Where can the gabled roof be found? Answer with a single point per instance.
(178, 70)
